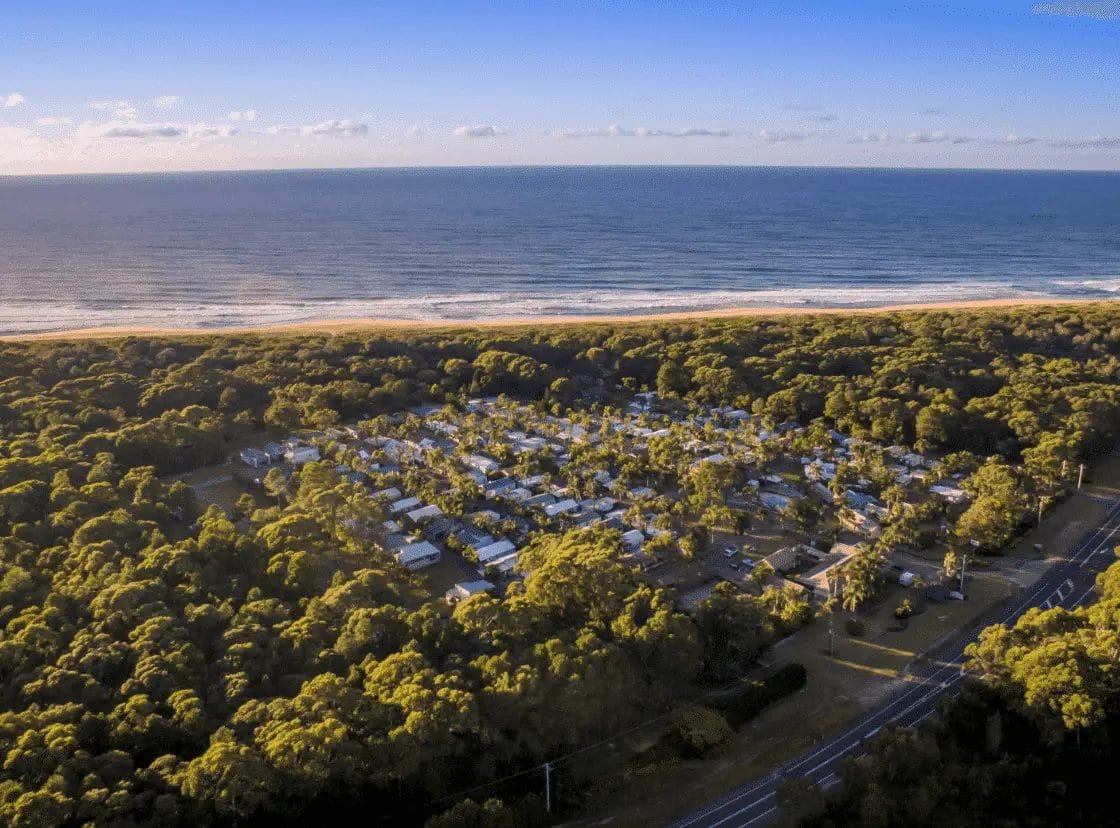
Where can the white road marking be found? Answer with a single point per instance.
(763, 815)
(1084, 595)
(924, 716)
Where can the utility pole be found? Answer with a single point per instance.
(1039, 512)
(1080, 475)
(964, 564)
(548, 787)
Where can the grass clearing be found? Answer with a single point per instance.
(1063, 526)
(440, 577)
(1066, 523)
(215, 485)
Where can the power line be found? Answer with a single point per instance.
(551, 764)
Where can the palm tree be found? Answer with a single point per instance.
(861, 578)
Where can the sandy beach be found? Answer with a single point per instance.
(346, 326)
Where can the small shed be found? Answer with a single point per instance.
(299, 455)
(495, 550)
(418, 555)
(254, 457)
(633, 540)
(465, 589)
(424, 513)
(406, 504)
(561, 507)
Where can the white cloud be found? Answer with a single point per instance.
(413, 131)
(616, 131)
(12, 135)
(779, 136)
(135, 130)
(210, 131)
(149, 131)
(346, 128)
(1014, 140)
(20, 145)
(120, 109)
(872, 138)
(167, 101)
(243, 115)
(1096, 142)
(12, 100)
(478, 131)
(938, 137)
(1099, 10)
(613, 131)
(690, 132)
(53, 121)
(926, 137)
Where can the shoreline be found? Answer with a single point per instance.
(346, 326)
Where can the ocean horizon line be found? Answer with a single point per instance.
(175, 173)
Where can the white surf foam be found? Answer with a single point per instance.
(1106, 285)
(16, 318)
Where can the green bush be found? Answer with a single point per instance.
(752, 699)
(904, 610)
(700, 730)
(854, 627)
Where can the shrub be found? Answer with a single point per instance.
(699, 730)
(854, 627)
(904, 610)
(752, 699)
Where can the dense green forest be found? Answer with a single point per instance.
(164, 663)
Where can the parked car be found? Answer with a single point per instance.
(734, 565)
(731, 551)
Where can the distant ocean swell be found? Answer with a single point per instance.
(248, 249)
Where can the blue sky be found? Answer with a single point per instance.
(202, 85)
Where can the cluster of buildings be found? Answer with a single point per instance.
(293, 452)
(529, 471)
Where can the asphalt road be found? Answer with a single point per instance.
(1068, 583)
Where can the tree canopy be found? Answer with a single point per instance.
(162, 662)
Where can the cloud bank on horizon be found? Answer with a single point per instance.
(744, 83)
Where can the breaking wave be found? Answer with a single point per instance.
(24, 318)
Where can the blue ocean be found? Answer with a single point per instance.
(229, 249)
